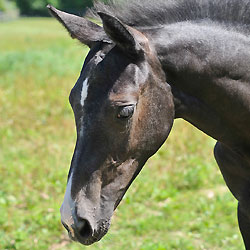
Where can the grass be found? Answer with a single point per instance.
(179, 201)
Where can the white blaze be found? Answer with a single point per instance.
(84, 94)
(67, 206)
(84, 91)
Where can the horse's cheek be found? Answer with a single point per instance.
(163, 114)
(153, 120)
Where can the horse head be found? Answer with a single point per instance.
(123, 111)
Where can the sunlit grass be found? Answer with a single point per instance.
(179, 201)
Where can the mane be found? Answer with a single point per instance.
(149, 13)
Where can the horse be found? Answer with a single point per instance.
(152, 62)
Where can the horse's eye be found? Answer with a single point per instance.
(125, 112)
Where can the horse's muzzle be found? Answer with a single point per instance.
(81, 231)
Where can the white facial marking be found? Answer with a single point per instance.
(81, 131)
(84, 91)
(67, 207)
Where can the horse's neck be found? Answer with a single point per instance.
(208, 69)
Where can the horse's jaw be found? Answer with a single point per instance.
(87, 216)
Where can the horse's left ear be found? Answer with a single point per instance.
(80, 28)
(130, 40)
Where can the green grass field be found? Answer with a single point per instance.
(179, 201)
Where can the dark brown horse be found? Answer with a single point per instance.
(152, 62)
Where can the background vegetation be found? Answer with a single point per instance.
(38, 7)
(179, 201)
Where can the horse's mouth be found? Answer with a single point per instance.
(86, 238)
(85, 241)
(88, 241)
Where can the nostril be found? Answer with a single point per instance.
(67, 228)
(70, 230)
(84, 228)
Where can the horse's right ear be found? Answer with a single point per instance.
(130, 40)
(80, 28)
